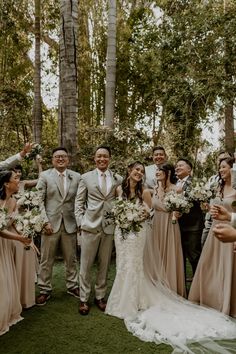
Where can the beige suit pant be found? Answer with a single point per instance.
(49, 245)
(99, 244)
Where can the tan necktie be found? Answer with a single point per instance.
(104, 184)
(61, 179)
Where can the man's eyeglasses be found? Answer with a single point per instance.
(58, 157)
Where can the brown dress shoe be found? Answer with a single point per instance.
(101, 304)
(83, 308)
(42, 299)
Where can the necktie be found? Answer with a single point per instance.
(104, 184)
(61, 179)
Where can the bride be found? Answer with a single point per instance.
(150, 309)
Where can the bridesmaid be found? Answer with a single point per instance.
(166, 235)
(214, 283)
(24, 259)
(10, 306)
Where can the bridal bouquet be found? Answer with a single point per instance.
(127, 216)
(174, 201)
(202, 192)
(36, 150)
(29, 221)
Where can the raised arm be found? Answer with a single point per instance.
(12, 161)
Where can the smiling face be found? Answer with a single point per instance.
(137, 172)
(102, 159)
(225, 170)
(160, 175)
(13, 185)
(60, 160)
(182, 169)
(159, 157)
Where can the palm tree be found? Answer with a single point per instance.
(111, 66)
(68, 105)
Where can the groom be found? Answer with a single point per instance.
(97, 190)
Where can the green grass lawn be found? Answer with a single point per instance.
(57, 328)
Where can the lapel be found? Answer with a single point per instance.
(187, 183)
(68, 181)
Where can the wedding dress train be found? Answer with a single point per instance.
(153, 312)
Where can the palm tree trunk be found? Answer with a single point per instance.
(37, 108)
(111, 66)
(68, 105)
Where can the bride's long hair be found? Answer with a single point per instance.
(126, 192)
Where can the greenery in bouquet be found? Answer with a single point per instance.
(127, 216)
(35, 151)
(174, 201)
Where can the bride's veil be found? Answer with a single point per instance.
(173, 320)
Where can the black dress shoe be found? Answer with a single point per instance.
(101, 304)
(83, 308)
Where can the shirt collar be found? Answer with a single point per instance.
(61, 173)
(102, 173)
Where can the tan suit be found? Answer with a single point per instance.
(59, 212)
(91, 206)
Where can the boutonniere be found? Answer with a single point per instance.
(115, 176)
(70, 176)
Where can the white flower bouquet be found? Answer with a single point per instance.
(29, 200)
(202, 192)
(174, 201)
(35, 151)
(29, 221)
(127, 216)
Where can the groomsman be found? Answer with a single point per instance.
(159, 157)
(191, 224)
(58, 186)
(97, 190)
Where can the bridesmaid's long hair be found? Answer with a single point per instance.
(126, 193)
(5, 177)
(229, 161)
(169, 171)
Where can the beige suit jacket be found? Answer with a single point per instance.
(91, 205)
(55, 207)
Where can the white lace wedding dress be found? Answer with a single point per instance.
(153, 312)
